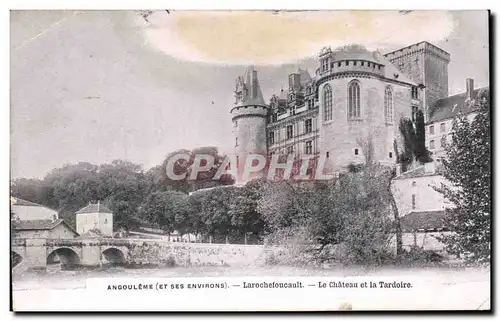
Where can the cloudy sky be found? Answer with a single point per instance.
(102, 85)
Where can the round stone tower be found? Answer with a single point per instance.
(249, 116)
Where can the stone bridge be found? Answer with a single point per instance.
(40, 253)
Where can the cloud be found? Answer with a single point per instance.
(264, 37)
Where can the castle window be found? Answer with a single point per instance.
(431, 144)
(339, 64)
(327, 154)
(431, 130)
(354, 100)
(388, 105)
(289, 132)
(390, 154)
(309, 147)
(355, 151)
(347, 63)
(289, 150)
(355, 62)
(368, 64)
(414, 111)
(362, 63)
(271, 137)
(308, 125)
(327, 103)
(414, 92)
(442, 127)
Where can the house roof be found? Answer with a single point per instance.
(94, 208)
(305, 77)
(420, 172)
(452, 106)
(428, 220)
(21, 202)
(39, 225)
(14, 201)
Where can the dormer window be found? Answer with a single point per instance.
(324, 64)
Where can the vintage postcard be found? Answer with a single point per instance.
(170, 160)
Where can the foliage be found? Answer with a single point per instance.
(167, 210)
(352, 212)
(243, 210)
(419, 150)
(468, 171)
(413, 134)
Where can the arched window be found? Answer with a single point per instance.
(327, 103)
(354, 102)
(388, 105)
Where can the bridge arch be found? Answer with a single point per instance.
(15, 258)
(113, 256)
(64, 256)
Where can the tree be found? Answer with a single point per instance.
(468, 171)
(184, 166)
(408, 133)
(413, 141)
(121, 186)
(245, 217)
(420, 151)
(214, 210)
(165, 210)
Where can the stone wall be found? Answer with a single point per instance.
(341, 137)
(199, 254)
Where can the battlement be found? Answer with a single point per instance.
(350, 65)
(424, 46)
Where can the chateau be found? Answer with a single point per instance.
(351, 106)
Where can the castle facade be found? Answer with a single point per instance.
(348, 111)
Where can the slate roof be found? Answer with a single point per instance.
(451, 106)
(305, 77)
(21, 202)
(358, 52)
(39, 225)
(94, 208)
(428, 220)
(250, 99)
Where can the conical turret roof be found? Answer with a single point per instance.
(253, 93)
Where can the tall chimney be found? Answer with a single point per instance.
(469, 87)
